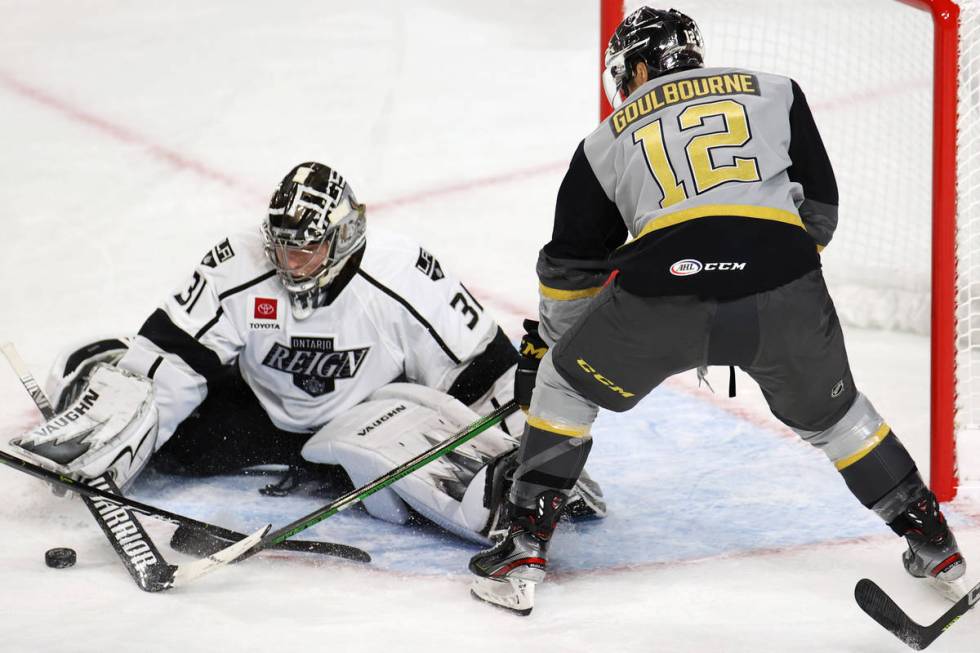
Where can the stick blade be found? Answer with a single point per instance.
(189, 572)
(879, 606)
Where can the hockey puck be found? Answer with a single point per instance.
(60, 558)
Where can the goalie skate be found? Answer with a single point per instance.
(513, 594)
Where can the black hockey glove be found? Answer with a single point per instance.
(532, 351)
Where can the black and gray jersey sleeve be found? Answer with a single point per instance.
(183, 344)
(574, 264)
(811, 169)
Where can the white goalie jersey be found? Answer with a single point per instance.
(400, 317)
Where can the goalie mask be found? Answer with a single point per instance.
(665, 40)
(313, 229)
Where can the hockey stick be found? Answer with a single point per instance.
(111, 511)
(213, 532)
(132, 544)
(359, 494)
(208, 536)
(880, 607)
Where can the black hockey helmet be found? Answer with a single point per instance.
(313, 227)
(665, 40)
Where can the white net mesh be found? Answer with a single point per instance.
(866, 67)
(871, 95)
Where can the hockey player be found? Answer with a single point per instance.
(305, 344)
(721, 179)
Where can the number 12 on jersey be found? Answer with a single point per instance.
(704, 172)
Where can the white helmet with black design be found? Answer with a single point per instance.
(314, 229)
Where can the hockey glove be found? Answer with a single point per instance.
(533, 349)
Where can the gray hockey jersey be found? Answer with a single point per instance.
(719, 178)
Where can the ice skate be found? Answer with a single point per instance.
(933, 553)
(509, 570)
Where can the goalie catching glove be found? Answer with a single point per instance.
(110, 427)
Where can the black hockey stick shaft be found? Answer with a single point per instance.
(69, 483)
(358, 494)
(204, 543)
(104, 488)
(880, 607)
(136, 550)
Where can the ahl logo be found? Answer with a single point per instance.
(838, 389)
(314, 363)
(686, 267)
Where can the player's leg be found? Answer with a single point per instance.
(803, 371)
(612, 357)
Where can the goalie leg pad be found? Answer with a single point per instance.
(111, 427)
(397, 423)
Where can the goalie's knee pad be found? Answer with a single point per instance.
(111, 427)
(864, 450)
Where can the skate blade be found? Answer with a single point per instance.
(951, 590)
(514, 595)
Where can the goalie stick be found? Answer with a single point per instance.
(112, 511)
(127, 536)
(880, 607)
(356, 495)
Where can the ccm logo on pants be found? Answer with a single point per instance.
(588, 369)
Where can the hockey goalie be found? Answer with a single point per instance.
(309, 345)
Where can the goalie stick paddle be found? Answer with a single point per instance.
(358, 494)
(880, 607)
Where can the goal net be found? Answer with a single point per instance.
(869, 68)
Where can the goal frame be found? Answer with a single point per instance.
(943, 476)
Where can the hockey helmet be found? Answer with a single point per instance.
(313, 228)
(664, 40)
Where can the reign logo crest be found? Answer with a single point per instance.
(314, 363)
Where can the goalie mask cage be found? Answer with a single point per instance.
(894, 86)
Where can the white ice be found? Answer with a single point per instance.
(136, 135)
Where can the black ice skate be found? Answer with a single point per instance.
(509, 570)
(933, 553)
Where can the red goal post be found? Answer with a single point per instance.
(942, 307)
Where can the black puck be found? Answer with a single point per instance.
(60, 558)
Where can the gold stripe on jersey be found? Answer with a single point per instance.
(869, 445)
(567, 430)
(567, 295)
(682, 90)
(720, 210)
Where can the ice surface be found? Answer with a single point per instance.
(136, 135)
